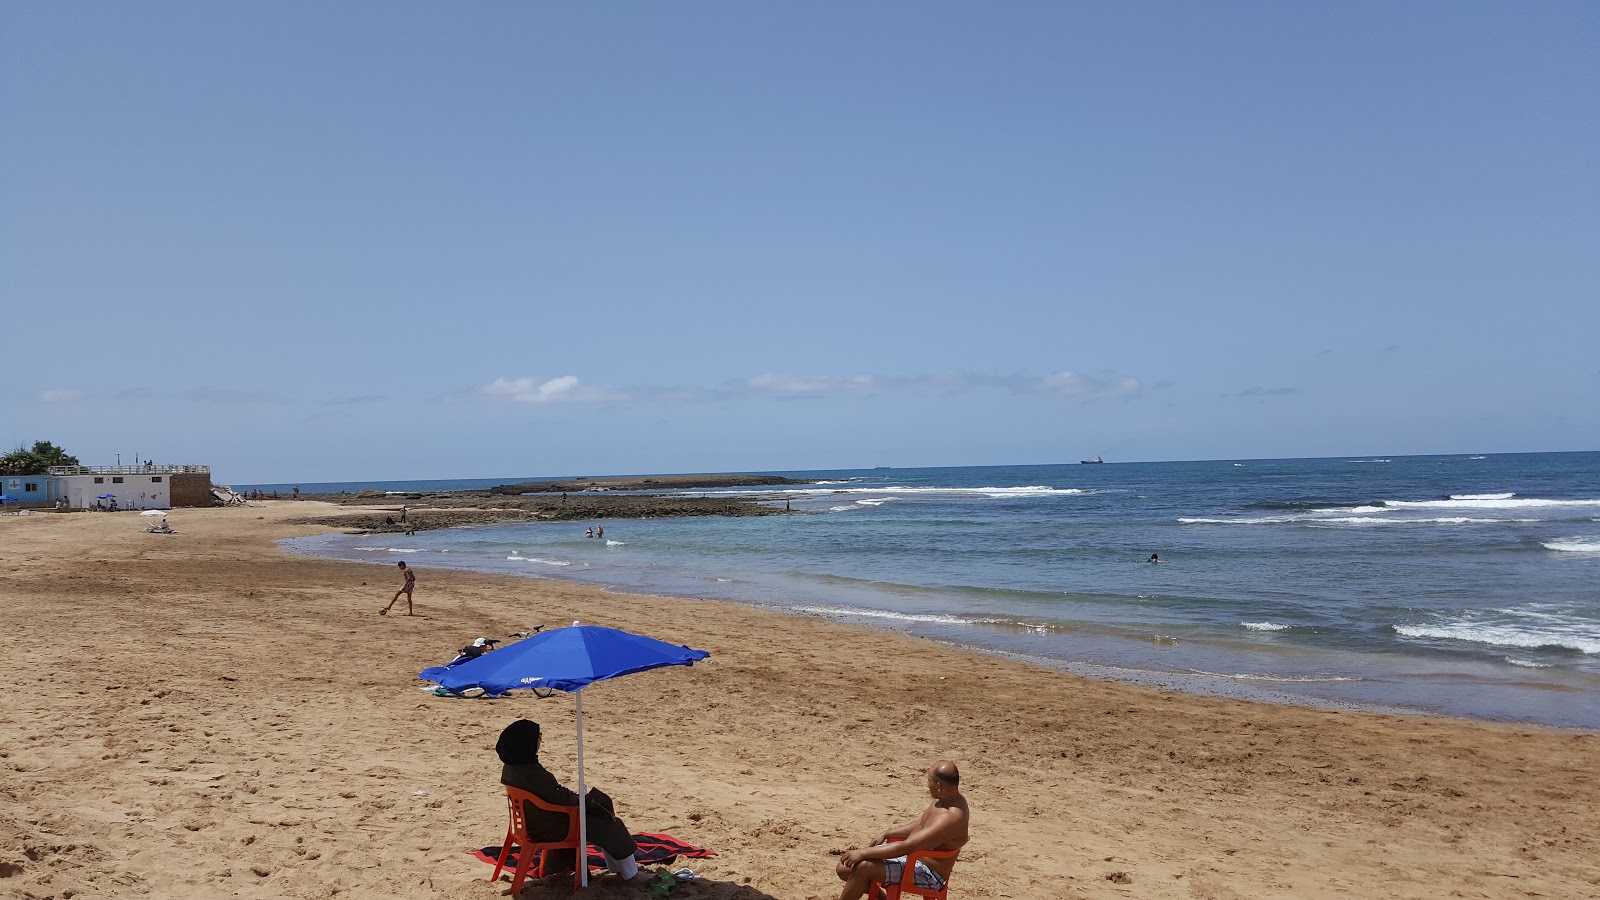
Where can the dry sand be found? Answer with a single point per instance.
(202, 715)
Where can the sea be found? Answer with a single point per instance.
(1464, 585)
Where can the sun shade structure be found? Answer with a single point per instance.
(567, 659)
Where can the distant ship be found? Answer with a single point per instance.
(1092, 462)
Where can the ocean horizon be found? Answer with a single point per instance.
(1461, 584)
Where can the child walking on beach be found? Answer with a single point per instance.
(411, 582)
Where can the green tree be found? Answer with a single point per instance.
(44, 454)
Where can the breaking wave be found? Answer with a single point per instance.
(1574, 545)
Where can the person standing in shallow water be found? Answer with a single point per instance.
(410, 584)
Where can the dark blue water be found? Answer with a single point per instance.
(1465, 585)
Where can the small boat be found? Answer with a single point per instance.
(1092, 462)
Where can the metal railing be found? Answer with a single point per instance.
(129, 470)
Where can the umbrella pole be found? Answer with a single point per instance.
(583, 801)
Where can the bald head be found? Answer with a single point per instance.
(946, 771)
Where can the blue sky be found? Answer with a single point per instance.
(307, 242)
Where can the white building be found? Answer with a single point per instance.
(132, 487)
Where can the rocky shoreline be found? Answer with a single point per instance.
(376, 512)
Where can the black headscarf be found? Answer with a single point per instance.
(519, 743)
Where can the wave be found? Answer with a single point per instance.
(874, 501)
(611, 543)
(1574, 545)
(844, 611)
(1503, 635)
(1345, 520)
(997, 493)
(549, 562)
(389, 549)
(1438, 520)
(1308, 679)
(1371, 460)
(1490, 503)
(1266, 626)
(1505, 496)
(840, 508)
(1528, 664)
(992, 493)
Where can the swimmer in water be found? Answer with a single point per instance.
(1154, 559)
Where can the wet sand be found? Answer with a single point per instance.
(203, 715)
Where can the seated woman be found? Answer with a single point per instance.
(518, 748)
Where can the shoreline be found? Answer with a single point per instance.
(249, 724)
(1365, 686)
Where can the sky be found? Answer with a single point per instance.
(307, 242)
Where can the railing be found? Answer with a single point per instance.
(129, 470)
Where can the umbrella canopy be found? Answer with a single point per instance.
(567, 659)
(154, 512)
(106, 497)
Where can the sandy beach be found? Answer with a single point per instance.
(202, 715)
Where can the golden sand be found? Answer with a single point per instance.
(203, 715)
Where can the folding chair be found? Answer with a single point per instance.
(517, 833)
(908, 876)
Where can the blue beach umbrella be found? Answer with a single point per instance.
(567, 659)
(106, 497)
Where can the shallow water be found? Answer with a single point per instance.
(1465, 585)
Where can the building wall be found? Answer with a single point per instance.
(132, 491)
(190, 490)
(16, 489)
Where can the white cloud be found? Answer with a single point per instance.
(562, 389)
(808, 385)
(60, 395)
(1088, 387)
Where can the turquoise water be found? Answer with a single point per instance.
(1465, 585)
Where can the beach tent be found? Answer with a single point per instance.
(566, 659)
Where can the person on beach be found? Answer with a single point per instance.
(589, 532)
(599, 531)
(942, 826)
(411, 583)
(518, 749)
(402, 514)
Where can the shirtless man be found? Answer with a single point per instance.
(411, 582)
(942, 826)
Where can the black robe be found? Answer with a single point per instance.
(605, 831)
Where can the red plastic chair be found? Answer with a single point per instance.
(517, 833)
(908, 876)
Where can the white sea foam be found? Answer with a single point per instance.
(1527, 663)
(1490, 503)
(389, 549)
(1574, 545)
(995, 493)
(549, 562)
(874, 501)
(1369, 460)
(611, 543)
(840, 508)
(1286, 678)
(1477, 457)
(835, 611)
(1504, 635)
(1265, 626)
(1439, 520)
(1505, 496)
